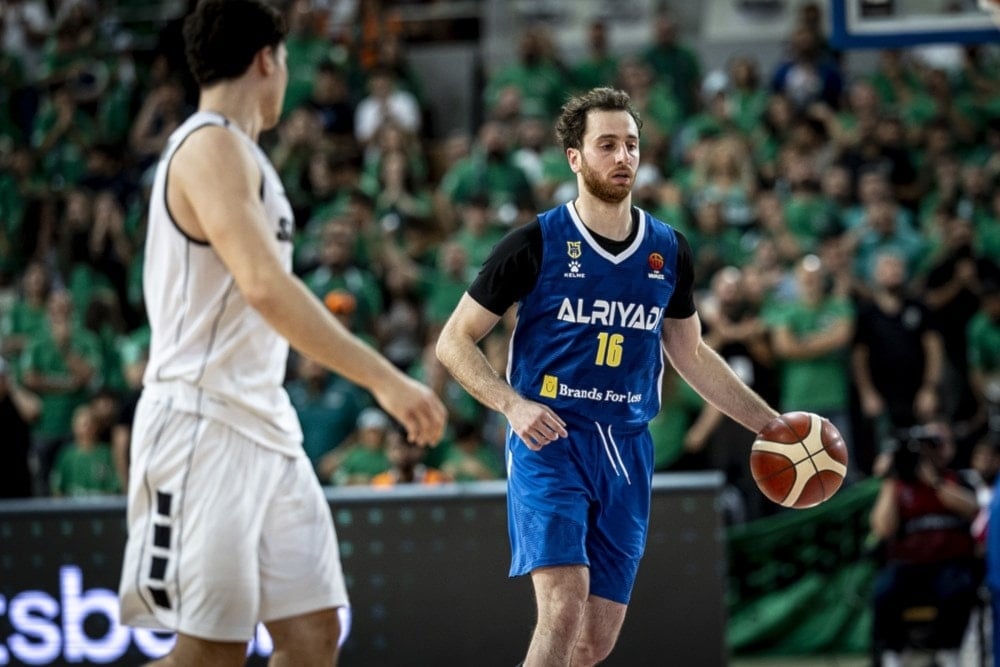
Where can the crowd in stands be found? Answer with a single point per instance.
(845, 227)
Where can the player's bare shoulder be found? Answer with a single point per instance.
(211, 164)
(211, 156)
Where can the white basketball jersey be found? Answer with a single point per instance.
(211, 353)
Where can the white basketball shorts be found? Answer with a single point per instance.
(223, 532)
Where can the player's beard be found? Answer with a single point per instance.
(603, 188)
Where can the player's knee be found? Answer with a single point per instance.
(312, 649)
(311, 639)
(563, 608)
(591, 649)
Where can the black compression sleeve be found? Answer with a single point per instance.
(681, 304)
(511, 269)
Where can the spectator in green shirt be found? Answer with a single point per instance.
(446, 284)
(307, 48)
(882, 229)
(725, 173)
(537, 74)
(84, 466)
(673, 62)
(811, 337)
(469, 459)
(477, 230)
(747, 99)
(599, 66)
(338, 271)
(488, 169)
(715, 243)
(362, 457)
(894, 78)
(327, 404)
(61, 367)
(401, 194)
(62, 131)
(26, 320)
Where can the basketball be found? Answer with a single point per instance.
(798, 460)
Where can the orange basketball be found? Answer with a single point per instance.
(799, 460)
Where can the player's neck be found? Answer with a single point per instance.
(610, 220)
(235, 104)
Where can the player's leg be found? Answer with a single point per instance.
(191, 558)
(302, 583)
(194, 652)
(602, 621)
(616, 540)
(305, 640)
(547, 507)
(561, 594)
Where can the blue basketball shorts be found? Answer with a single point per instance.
(581, 500)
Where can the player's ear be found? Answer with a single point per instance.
(573, 156)
(266, 60)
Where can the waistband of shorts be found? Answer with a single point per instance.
(582, 422)
(185, 396)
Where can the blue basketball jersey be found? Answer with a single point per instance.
(588, 335)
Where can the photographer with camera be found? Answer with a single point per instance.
(922, 517)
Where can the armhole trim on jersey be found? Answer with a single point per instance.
(166, 183)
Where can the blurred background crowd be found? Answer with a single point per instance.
(845, 227)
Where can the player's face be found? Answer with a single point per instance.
(610, 155)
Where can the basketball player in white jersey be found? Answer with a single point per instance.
(228, 525)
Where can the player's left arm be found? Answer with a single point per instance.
(710, 375)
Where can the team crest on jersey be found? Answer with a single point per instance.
(655, 262)
(575, 250)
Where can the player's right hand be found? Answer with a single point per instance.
(536, 424)
(417, 408)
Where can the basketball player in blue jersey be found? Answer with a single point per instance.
(228, 525)
(603, 290)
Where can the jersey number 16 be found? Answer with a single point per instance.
(609, 349)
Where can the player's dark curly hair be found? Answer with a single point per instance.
(221, 37)
(572, 122)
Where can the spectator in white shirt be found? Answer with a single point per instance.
(385, 102)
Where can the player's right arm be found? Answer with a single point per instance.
(214, 194)
(457, 348)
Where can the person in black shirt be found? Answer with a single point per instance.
(897, 357)
(19, 408)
